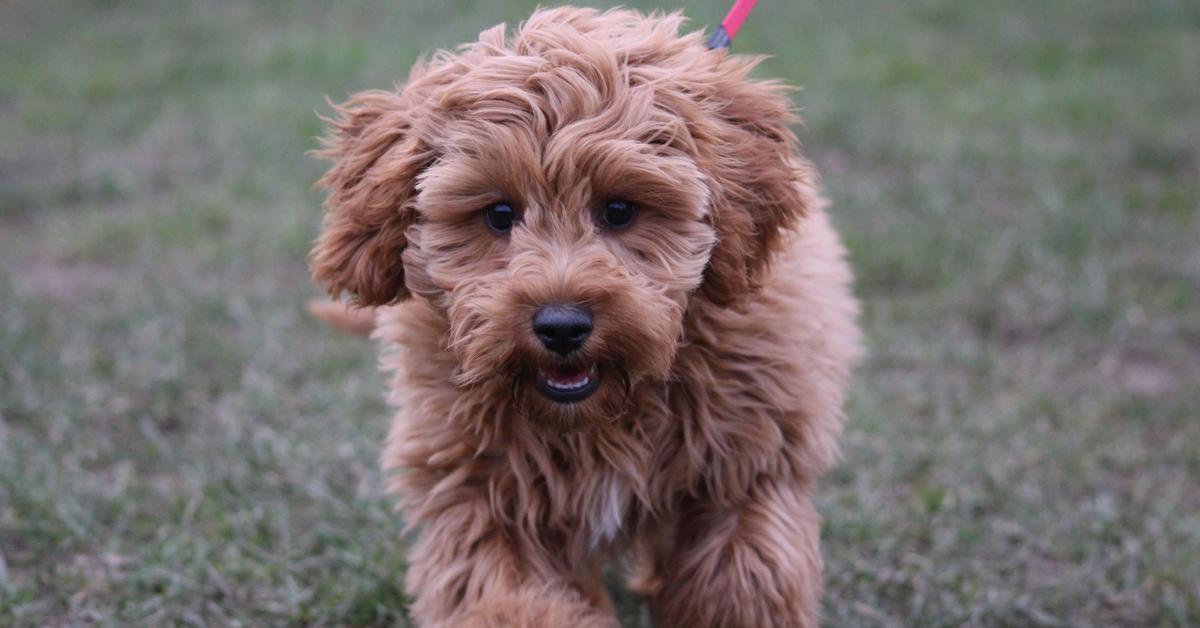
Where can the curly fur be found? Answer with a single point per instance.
(725, 328)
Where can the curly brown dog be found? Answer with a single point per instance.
(618, 321)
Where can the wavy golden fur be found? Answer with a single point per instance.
(724, 323)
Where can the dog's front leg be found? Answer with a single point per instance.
(753, 565)
(466, 570)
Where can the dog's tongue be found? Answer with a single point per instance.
(563, 377)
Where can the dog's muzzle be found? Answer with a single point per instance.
(563, 330)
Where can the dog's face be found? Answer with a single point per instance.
(564, 255)
(562, 199)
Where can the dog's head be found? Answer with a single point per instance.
(563, 197)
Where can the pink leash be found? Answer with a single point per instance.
(723, 36)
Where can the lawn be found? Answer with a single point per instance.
(1018, 182)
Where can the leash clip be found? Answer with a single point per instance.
(728, 29)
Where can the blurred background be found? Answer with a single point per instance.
(1017, 181)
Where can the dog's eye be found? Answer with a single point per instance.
(500, 217)
(618, 214)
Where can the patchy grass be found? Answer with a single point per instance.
(180, 444)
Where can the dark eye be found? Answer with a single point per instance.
(618, 214)
(500, 216)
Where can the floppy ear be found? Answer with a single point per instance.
(370, 201)
(761, 184)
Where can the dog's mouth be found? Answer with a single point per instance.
(568, 384)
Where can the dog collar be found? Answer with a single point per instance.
(727, 30)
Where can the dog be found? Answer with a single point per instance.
(618, 323)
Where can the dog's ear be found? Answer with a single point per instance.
(370, 186)
(761, 184)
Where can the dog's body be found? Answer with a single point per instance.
(679, 390)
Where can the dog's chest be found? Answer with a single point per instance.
(610, 501)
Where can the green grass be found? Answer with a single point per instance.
(1018, 183)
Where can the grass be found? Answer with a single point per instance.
(1017, 181)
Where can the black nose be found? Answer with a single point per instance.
(562, 328)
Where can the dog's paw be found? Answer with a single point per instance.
(536, 610)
